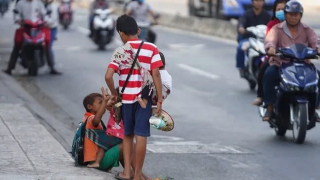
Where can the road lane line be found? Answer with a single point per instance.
(237, 163)
(83, 30)
(198, 35)
(198, 71)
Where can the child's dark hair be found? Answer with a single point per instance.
(127, 25)
(163, 59)
(89, 99)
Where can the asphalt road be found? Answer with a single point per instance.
(218, 133)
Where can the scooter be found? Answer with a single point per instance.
(65, 14)
(103, 27)
(33, 48)
(255, 53)
(297, 93)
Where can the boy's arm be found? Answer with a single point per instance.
(97, 118)
(109, 80)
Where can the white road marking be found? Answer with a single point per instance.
(198, 71)
(198, 35)
(185, 46)
(83, 30)
(73, 48)
(177, 145)
(236, 163)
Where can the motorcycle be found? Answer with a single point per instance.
(255, 53)
(4, 6)
(33, 48)
(65, 14)
(297, 93)
(103, 27)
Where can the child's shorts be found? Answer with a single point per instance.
(136, 119)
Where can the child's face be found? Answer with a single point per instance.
(96, 104)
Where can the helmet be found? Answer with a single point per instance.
(293, 7)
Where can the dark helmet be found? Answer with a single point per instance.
(293, 7)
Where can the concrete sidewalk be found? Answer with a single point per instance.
(28, 150)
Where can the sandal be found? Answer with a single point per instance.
(257, 101)
(121, 178)
(267, 116)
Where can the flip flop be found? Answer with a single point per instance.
(268, 114)
(120, 178)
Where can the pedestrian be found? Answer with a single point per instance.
(135, 118)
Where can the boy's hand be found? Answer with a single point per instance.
(105, 94)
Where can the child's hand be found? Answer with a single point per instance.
(138, 98)
(105, 94)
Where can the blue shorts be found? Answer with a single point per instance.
(136, 119)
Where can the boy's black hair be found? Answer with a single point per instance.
(163, 59)
(127, 25)
(89, 99)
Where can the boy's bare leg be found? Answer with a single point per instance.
(100, 155)
(141, 148)
(133, 164)
(143, 102)
(127, 153)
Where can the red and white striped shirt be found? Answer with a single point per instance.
(148, 58)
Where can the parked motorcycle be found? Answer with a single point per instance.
(65, 14)
(297, 93)
(255, 53)
(33, 48)
(103, 27)
(4, 6)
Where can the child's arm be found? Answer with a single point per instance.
(97, 118)
(157, 82)
(110, 82)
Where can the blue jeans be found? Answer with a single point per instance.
(271, 79)
(240, 54)
(143, 33)
(53, 33)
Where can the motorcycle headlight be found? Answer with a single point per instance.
(311, 87)
(292, 88)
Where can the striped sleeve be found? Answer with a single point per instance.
(156, 61)
(114, 64)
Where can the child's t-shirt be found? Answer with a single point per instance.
(166, 79)
(114, 129)
(90, 149)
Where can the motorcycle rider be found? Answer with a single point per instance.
(29, 10)
(104, 4)
(69, 4)
(140, 10)
(252, 17)
(52, 21)
(278, 17)
(282, 35)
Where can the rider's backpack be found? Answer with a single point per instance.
(78, 143)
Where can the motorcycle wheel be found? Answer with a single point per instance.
(252, 85)
(65, 26)
(33, 66)
(280, 131)
(300, 123)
